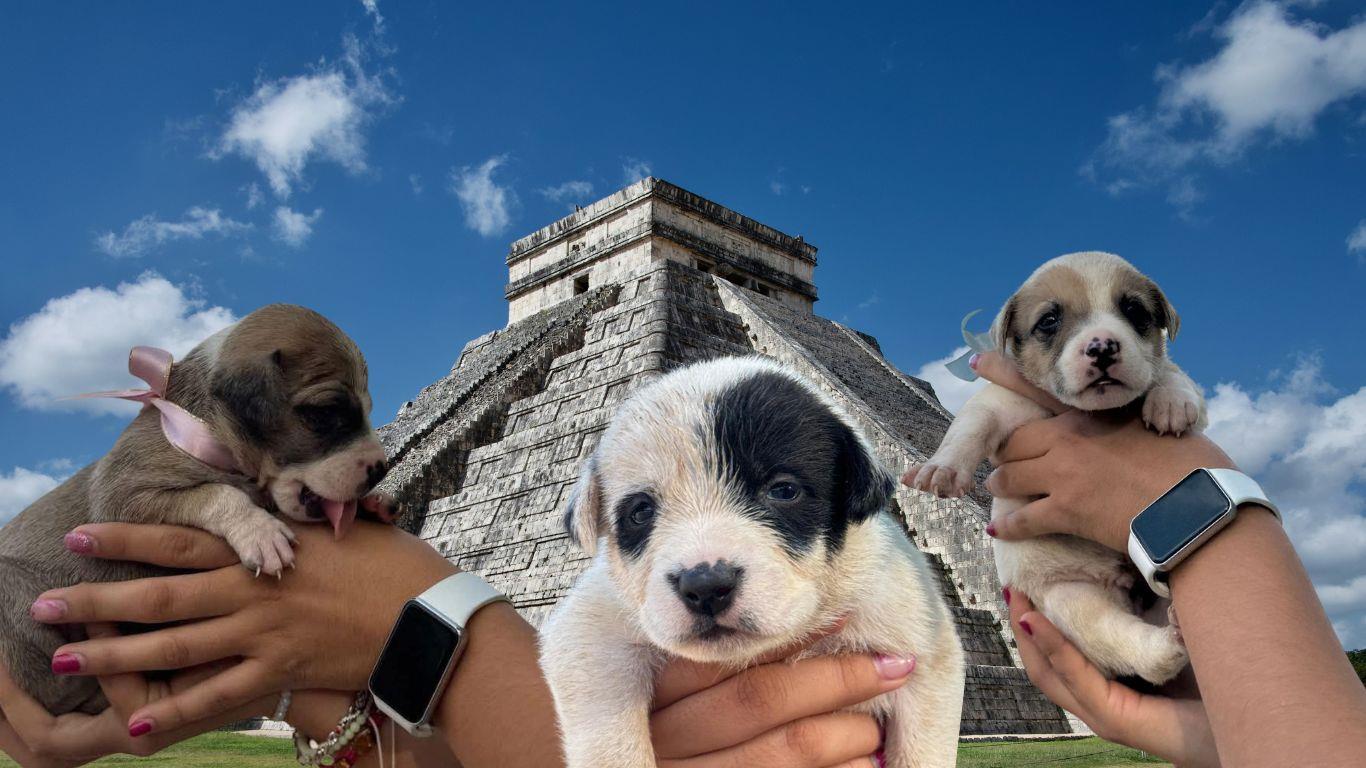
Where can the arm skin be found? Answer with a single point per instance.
(1277, 687)
(322, 627)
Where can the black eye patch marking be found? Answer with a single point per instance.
(783, 447)
(635, 516)
(1048, 324)
(1136, 313)
(333, 420)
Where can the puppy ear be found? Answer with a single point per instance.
(862, 483)
(253, 393)
(1167, 319)
(583, 513)
(1002, 325)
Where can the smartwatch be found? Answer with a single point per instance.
(1188, 515)
(423, 648)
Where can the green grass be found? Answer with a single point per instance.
(226, 750)
(1073, 753)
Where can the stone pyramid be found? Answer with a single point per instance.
(636, 284)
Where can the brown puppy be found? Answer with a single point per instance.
(285, 391)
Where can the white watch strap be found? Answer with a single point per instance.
(458, 597)
(1240, 488)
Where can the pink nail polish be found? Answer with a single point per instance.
(66, 664)
(880, 759)
(1025, 626)
(972, 361)
(894, 667)
(78, 542)
(47, 610)
(1005, 593)
(140, 728)
(991, 530)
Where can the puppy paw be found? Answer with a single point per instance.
(264, 544)
(942, 480)
(1171, 410)
(1164, 658)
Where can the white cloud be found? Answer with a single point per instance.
(1306, 443)
(20, 488)
(952, 391)
(777, 187)
(487, 205)
(634, 169)
(568, 193)
(149, 232)
(372, 8)
(293, 228)
(1270, 81)
(1356, 242)
(288, 122)
(415, 181)
(79, 342)
(254, 196)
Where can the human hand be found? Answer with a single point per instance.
(1089, 474)
(1000, 370)
(36, 739)
(775, 713)
(1177, 730)
(322, 626)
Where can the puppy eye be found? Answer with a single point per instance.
(1049, 323)
(784, 491)
(1136, 313)
(642, 511)
(323, 419)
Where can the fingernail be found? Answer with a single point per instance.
(1005, 593)
(894, 667)
(880, 759)
(47, 610)
(140, 728)
(1025, 626)
(991, 530)
(972, 361)
(79, 542)
(66, 663)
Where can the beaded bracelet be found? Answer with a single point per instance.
(348, 742)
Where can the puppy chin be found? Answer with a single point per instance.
(1101, 397)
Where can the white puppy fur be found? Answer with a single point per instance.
(1092, 331)
(737, 465)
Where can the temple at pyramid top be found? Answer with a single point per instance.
(649, 221)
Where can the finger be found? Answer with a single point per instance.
(73, 737)
(997, 369)
(871, 761)
(177, 647)
(171, 546)
(681, 677)
(238, 686)
(1084, 682)
(1035, 661)
(1033, 519)
(12, 745)
(147, 601)
(764, 697)
(1018, 479)
(813, 742)
(1031, 441)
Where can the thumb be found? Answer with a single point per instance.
(1033, 519)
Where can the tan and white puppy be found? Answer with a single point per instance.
(1091, 330)
(287, 393)
(733, 509)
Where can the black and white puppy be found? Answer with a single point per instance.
(1091, 330)
(734, 509)
(285, 392)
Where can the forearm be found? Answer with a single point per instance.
(1277, 686)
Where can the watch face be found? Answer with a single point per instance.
(1181, 515)
(414, 662)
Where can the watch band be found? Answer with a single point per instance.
(1237, 486)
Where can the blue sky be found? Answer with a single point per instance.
(170, 166)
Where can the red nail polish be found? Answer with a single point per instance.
(880, 758)
(1005, 593)
(66, 664)
(78, 542)
(140, 728)
(991, 530)
(1025, 626)
(974, 360)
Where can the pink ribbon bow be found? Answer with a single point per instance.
(183, 429)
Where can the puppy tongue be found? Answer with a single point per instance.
(341, 514)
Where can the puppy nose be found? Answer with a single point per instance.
(708, 589)
(1102, 352)
(375, 473)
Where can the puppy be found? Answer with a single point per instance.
(733, 509)
(1092, 331)
(285, 392)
